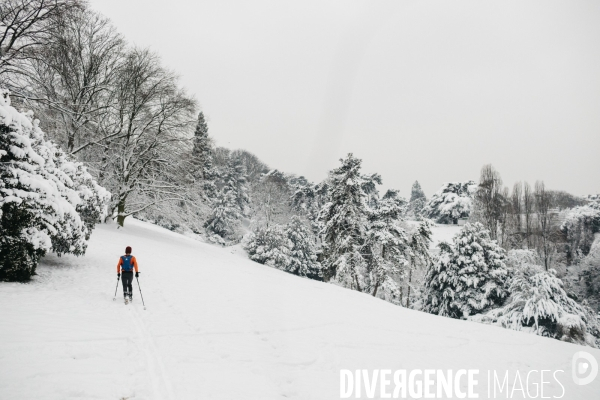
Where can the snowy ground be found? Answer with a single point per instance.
(218, 326)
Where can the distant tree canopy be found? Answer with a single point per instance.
(453, 201)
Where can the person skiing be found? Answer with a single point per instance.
(125, 267)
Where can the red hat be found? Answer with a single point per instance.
(128, 250)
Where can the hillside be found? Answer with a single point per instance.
(219, 326)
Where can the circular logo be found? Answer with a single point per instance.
(585, 368)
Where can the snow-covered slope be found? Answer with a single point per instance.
(218, 326)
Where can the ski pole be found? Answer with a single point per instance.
(116, 288)
(138, 281)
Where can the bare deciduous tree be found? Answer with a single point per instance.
(73, 75)
(543, 204)
(489, 199)
(24, 25)
(150, 123)
(517, 208)
(528, 210)
(271, 198)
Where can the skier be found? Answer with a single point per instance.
(125, 266)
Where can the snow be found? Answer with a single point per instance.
(443, 233)
(219, 326)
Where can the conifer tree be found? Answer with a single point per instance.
(302, 248)
(416, 192)
(344, 222)
(202, 157)
(387, 247)
(469, 276)
(453, 201)
(223, 222)
(235, 181)
(539, 304)
(268, 245)
(417, 201)
(419, 256)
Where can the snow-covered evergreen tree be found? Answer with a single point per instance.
(202, 157)
(420, 259)
(268, 245)
(537, 303)
(369, 187)
(302, 250)
(234, 181)
(416, 192)
(47, 202)
(344, 221)
(468, 277)
(224, 220)
(417, 201)
(387, 247)
(92, 206)
(579, 226)
(453, 201)
(588, 278)
(291, 248)
(308, 200)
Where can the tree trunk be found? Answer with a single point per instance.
(408, 294)
(121, 212)
(357, 284)
(375, 290)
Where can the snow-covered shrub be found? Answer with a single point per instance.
(453, 201)
(224, 220)
(92, 206)
(47, 201)
(291, 248)
(579, 226)
(302, 250)
(268, 246)
(537, 303)
(468, 277)
(592, 324)
(589, 276)
(517, 258)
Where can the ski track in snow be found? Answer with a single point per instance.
(218, 326)
(156, 368)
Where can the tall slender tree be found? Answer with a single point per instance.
(543, 203)
(387, 247)
(417, 200)
(489, 200)
(202, 157)
(344, 222)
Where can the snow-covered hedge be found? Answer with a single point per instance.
(47, 202)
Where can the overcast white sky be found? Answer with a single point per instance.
(427, 91)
